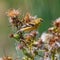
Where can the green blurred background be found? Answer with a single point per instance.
(49, 10)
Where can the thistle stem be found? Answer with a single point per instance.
(53, 55)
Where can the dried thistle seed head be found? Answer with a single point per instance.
(13, 13)
(54, 30)
(34, 33)
(57, 22)
(51, 30)
(11, 35)
(20, 46)
(56, 38)
(53, 40)
(7, 58)
(27, 18)
(40, 42)
(28, 38)
(45, 37)
(58, 35)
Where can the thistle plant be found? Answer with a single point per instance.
(28, 38)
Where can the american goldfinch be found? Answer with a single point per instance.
(33, 25)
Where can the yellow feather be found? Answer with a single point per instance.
(35, 22)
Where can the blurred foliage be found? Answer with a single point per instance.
(49, 10)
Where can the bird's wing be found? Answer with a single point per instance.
(26, 29)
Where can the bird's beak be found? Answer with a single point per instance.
(41, 20)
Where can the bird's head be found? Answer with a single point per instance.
(38, 21)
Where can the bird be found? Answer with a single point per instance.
(33, 25)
